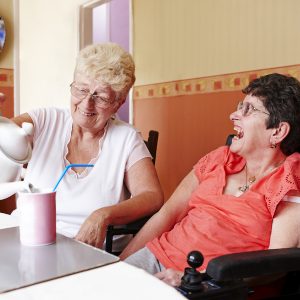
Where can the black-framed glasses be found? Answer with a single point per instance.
(81, 93)
(247, 109)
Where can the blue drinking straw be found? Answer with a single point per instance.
(66, 169)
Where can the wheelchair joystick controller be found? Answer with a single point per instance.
(191, 280)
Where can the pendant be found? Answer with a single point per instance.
(244, 188)
(252, 179)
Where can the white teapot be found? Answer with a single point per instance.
(15, 151)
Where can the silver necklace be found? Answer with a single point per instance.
(252, 179)
(246, 186)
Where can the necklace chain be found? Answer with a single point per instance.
(252, 179)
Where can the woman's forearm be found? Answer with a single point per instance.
(157, 225)
(171, 213)
(132, 209)
(93, 229)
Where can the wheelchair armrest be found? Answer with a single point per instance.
(254, 263)
(130, 228)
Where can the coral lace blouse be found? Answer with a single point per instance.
(218, 224)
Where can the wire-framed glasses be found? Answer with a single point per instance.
(247, 109)
(82, 92)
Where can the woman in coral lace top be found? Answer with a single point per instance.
(238, 198)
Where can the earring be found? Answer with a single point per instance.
(273, 145)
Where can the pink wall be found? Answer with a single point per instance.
(111, 23)
(101, 23)
(119, 22)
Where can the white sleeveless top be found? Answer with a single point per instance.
(78, 195)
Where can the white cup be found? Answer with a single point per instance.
(37, 217)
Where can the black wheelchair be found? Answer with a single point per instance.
(225, 276)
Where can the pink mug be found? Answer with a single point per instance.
(37, 217)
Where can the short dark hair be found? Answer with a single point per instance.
(280, 95)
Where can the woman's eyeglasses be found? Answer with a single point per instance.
(247, 109)
(81, 93)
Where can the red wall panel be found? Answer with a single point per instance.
(192, 117)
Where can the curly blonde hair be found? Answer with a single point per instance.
(110, 64)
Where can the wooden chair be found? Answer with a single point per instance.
(133, 227)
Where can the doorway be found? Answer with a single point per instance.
(107, 21)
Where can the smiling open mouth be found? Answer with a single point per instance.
(86, 114)
(239, 133)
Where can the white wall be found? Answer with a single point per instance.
(180, 39)
(48, 47)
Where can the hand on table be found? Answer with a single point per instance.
(170, 276)
(93, 230)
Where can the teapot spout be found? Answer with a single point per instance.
(8, 189)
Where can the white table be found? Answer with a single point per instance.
(115, 281)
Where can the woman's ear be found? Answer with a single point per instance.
(280, 132)
(119, 105)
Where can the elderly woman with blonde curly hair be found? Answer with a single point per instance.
(123, 185)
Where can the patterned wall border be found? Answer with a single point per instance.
(6, 77)
(211, 84)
